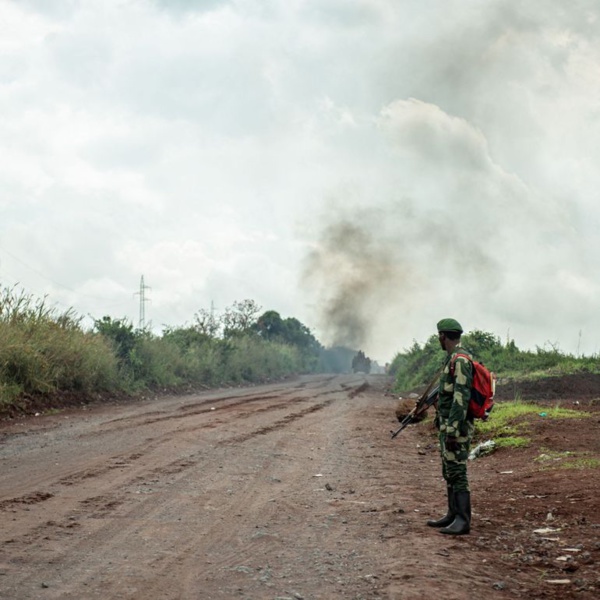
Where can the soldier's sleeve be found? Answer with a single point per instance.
(463, 377)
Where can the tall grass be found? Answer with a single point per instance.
(45, 351)
(419, 363)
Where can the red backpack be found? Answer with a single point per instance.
(481, 402)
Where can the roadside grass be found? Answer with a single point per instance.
(46, 352)
(415, 366)
(508, 426)
(512, 442)
(566, 367)
(509, 422)
(551, 459)
(548, 455)
(582, 462)
(510, 419)
(9, 393)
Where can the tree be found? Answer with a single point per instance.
(298, 334)
(206, 323)
(186, 337)
(270, 325)
(122, 334)
(126, 340)
(240, 317)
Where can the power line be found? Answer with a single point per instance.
(51, 280)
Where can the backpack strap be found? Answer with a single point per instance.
(454, 360)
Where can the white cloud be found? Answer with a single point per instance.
(202, 143)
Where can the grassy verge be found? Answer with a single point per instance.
(550, 459)
(48, 358)
(509, 421)
(416, 365)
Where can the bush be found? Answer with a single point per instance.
(44, 351)
(47, 351)
(419, 364)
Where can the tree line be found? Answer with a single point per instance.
(417, 365)
(46, 351)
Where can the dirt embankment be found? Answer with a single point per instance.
(291, 490)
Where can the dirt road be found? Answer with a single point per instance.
(290, 490)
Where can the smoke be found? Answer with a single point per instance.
(460, 239)
(373, 270)
(353, 273)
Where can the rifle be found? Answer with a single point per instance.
(427, 399)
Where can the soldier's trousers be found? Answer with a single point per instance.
(454, 464)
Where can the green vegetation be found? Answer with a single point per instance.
(509, 422)
(45, 351)
(510, 418)
(551, 455)
(512, 442)
(582, 462)
(574, 460)
(419, 364)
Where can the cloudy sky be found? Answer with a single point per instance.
(366, 166)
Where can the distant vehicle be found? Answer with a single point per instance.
(361, 363)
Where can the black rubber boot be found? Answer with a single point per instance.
(462, 521)
(449, 518)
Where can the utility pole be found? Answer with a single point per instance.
(143, 300)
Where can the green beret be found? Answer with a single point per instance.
(449, 325)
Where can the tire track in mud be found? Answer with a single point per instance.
(277, 424)
(119, 500)
(152, 443)
(215, 403)
(242, 556)
(234, 548)
(28, 499)
(120, 462)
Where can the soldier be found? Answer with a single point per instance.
(455, 429)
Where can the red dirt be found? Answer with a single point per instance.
(291, 490)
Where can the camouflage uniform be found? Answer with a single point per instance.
(453, 402)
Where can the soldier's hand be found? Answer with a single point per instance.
(452, 444)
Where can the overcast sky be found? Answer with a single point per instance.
(366, 166)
